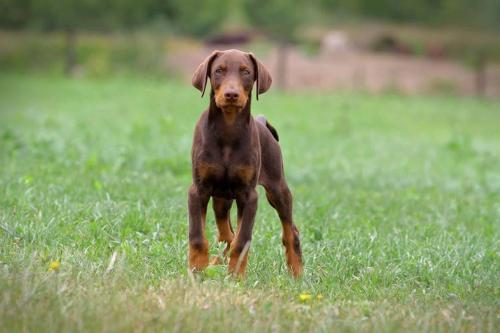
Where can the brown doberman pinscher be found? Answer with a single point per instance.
(233, 152)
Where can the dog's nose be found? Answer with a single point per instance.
(231, 95)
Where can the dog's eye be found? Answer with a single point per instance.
(219, 71)
(245, 71)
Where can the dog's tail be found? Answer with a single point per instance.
(261, 119)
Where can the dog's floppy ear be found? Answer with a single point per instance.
(262, 77)
(202, 73)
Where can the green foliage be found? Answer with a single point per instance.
(14, 13)
(396, 199)
(66, 15)
(189, 16)
(482, 13)
(97, 55)
(199, 18)
(280, 18)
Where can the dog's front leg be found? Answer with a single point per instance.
(247, 207)
(198, 244)
(222, 210)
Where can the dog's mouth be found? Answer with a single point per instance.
(230, 105)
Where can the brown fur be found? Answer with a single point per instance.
(232, 153)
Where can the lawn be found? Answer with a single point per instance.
(397, 200)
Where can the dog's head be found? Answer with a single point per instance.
(232, 74)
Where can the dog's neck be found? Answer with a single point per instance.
(229, 126)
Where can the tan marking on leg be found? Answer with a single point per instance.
(198, 253)
(238, 261)
(225, 235)
(198, 256)
(293, 259)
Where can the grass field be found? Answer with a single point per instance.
(397, 200)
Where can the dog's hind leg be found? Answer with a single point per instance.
(222, 209)
(280, 198)
(247, 207)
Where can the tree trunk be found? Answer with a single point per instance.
(480, 75)
(281, 66)
(70, 52)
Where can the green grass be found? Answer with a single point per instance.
(397, 200)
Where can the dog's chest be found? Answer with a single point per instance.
(225, 170)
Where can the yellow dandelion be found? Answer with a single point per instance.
(54, 265)
(304, 297)
(319, 297)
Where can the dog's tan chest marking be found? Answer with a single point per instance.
(244, 173)
(241, 174)
(208, 171)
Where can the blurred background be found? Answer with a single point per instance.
(409, 47)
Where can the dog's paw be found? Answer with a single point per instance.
(217, 260)
(198, 259)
